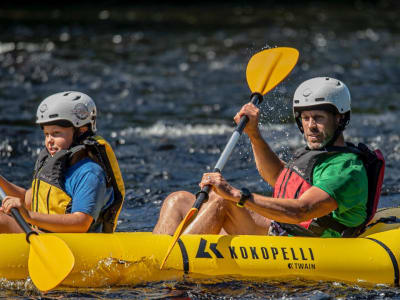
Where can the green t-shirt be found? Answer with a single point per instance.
(344, 178)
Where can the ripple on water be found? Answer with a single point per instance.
(215, 289)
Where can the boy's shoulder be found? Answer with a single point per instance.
(85, 166)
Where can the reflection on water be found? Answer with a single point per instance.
(167, 82)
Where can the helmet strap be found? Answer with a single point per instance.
(299, 125)
(80, 137)
(335, 136)
(342, 125)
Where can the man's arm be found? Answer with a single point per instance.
(314, 203)
(268, 163)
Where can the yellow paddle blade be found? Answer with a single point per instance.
(178, 232)
(50, 261)
(268, 68)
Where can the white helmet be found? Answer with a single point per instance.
(323, 93)
(76, 107)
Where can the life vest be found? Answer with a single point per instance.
(48, 192)
(297, 177)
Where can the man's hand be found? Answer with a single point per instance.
(253, 113)
(220, 186)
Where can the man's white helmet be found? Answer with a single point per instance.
(323, 93)
(76, 107)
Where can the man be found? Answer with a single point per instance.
(326, 181)
(77, 184)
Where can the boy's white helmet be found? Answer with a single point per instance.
(76, 107)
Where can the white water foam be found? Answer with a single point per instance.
(160, 129)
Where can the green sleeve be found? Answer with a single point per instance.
(344, 178)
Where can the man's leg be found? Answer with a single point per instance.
(220, 216)
(173, 210)
(217, 215)
(175, 207)
(244, 221)
(8, 224)
(210, 218)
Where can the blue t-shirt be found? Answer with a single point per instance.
(85, 183)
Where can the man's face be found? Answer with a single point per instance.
(57, 138)
(319, 127)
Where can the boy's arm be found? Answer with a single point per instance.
(12, 189)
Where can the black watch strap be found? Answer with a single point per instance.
(244, 196)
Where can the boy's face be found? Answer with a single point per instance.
(57, 138)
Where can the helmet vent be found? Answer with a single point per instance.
(296, 101)
(53, 116)
(76, 98)
(319, 99)
(338, 83)
(66, 94)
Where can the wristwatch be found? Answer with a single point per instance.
(244, 196)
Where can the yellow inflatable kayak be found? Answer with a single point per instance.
(103, 260)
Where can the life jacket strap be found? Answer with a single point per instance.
(107, 217)
(297, 230)
(319, 225)
(328, 222)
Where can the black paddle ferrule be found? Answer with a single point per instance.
(256, 98)
(28, 235)
(202, 196)
(22, 223)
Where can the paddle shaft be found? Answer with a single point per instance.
(202, 196)
(20, 220)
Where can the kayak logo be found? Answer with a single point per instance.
(299, 257)
(301, 266)
(202, 253)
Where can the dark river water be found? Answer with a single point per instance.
(168, 80)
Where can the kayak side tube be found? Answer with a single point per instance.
(371, 260)
(103, 260)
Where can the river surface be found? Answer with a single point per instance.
(168, 80)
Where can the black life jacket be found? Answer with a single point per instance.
(296, 178)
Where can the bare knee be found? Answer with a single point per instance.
(180, 201)
(8, 224)
(210, 218)
(217, 203)
(179, 198)
(173, 210)
(4, 219)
